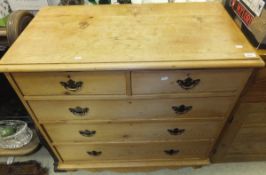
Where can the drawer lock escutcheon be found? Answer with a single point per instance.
(94, 153)
(182, 109)
(79, 111)
(176, 131)
(87, 133)
(171, 152)
(188, 83)
(72, 85)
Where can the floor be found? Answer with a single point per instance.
(253, 168)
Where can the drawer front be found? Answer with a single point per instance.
(133, 131)
(67, 83)
(136, 151)
(188, 81)
(131, 109)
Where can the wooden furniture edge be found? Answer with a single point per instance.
(39, 128)
(120, 165)
(133, 66)
(261, 52)
(66, 143)
(229, 132)
(229, 118)
(193, 119)
(128, 84)
(132, 97)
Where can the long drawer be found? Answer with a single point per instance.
(75, 83)
(136, 151)
(131, 109)
(188, 81)
(133, 131)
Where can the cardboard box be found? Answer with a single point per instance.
(250, 15)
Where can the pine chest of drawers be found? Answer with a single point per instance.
(130, 86)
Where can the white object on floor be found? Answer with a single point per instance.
(10, 160)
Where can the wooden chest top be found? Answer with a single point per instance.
(119, 37)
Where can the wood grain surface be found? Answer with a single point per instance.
(198, 35)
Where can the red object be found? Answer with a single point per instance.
(245, 15)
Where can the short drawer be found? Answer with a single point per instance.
(132, 109)
(136, 151)
(133, 131)
(188, 81)
(67, 83)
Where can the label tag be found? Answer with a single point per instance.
(250, 55)
(239, 46)
(245, 15)
(164, 78)
(77, 58)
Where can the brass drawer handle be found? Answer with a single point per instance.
(176, 131)
(171, 152)
(188, 83)
(72, 85)
(79, 111)
(94, 153)
(87, 133)
(182, 109)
